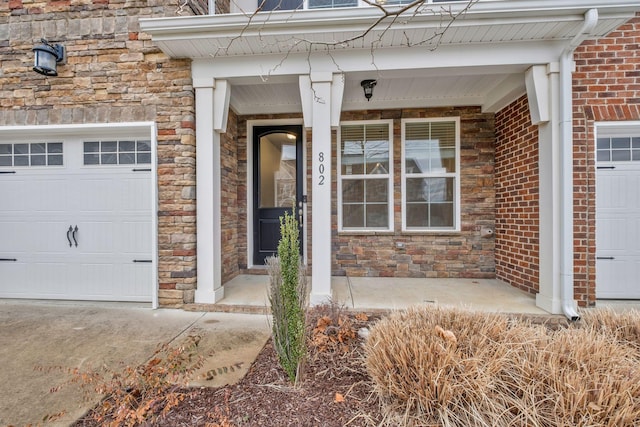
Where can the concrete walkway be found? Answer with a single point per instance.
(63, 335)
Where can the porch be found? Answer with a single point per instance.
(248, 293)
(279, 70)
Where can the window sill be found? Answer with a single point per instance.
(432, 232)
(366, 232)
(399, 233)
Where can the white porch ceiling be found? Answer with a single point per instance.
(479, 60)
(420, 88)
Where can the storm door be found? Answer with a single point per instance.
(277, 184)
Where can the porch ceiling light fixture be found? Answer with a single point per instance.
(367, 86)
(47, 58)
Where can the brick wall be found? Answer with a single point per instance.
(606, 88)
(517, 220)
(113, 74)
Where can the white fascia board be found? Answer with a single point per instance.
(131, 129)
(446, 56)
(247, 109)
(345, 19)
(468, 101)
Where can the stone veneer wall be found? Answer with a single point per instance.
(517, 199)
(463, 254)
(230, 179)
(606, 87)
(113, 74)
(449, 255)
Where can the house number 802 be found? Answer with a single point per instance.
(321, 168)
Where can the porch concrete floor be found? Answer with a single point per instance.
(375, 293)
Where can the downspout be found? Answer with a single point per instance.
(566, 171)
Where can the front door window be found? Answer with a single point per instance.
(278, 169)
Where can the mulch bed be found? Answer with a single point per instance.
(335, 389)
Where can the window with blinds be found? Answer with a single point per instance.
(365, 176)
(430, 176)
(325, 4)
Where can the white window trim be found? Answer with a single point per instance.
(629, 128)
(30, 154)
(457, 216)
(117, 153)
(390, 227)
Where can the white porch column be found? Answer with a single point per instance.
(321, 93)
(212, 100)
(544, 103)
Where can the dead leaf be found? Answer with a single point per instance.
(446, 335)
(362, 317)
(339, 398)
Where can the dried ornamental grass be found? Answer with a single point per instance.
(624, 326)
(437, 366)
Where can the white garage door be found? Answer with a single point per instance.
(618, 217)
(76, 219)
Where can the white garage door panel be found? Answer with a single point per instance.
(111, 208)
(137, 238)
(618, 232)
(101, 281)
(27, 278)
(132, 238)
(619, 271)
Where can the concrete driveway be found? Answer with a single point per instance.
(90, 335)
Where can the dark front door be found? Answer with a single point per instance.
(277, 184)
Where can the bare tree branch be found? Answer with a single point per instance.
(389, 19)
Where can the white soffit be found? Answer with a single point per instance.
(480, 59)
(299, 31)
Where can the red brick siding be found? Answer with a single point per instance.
(517, 220)
(113, 74)
(606, 88)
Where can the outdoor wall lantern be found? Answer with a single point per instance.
(367, 86)
(47, 58)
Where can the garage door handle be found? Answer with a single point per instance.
(605, 257)
(75, 240)
(70, 230)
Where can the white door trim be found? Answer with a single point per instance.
(276, 122)
(611, 130)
